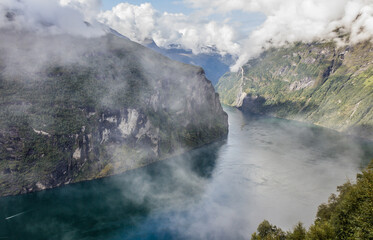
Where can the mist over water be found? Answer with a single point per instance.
(268, 168)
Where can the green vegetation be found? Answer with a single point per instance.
(346, 216)
(266, 231)
(316, 82)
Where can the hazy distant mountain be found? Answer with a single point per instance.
(318, 82)
(213, 63)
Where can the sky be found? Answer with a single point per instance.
(170, 6)
(180, 23)
(244, 22)
(248, 21)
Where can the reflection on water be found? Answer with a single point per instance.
(267, 169)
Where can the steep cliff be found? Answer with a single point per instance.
(321, 83)
(95, 107)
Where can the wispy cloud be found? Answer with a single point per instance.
(144, 22)
(90, 8)
(46, 16)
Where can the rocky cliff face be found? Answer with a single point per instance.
(112, 106)
(317, 82)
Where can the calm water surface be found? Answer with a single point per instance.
(267, 169)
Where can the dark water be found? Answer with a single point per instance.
(267, 169)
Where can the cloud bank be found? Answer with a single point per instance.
(50, 17)
(293, 20)
(89, 8)
(143, 22)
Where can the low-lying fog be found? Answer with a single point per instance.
(267, 169)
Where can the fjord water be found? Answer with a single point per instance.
(267, 168)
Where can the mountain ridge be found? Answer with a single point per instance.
(95, 107)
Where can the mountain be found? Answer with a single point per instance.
(317, 82)
(213, 63)
(76, 108)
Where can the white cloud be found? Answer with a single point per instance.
(46, 16)
(297, 20)
(135, 22)
(90, 8)
(144, 22)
